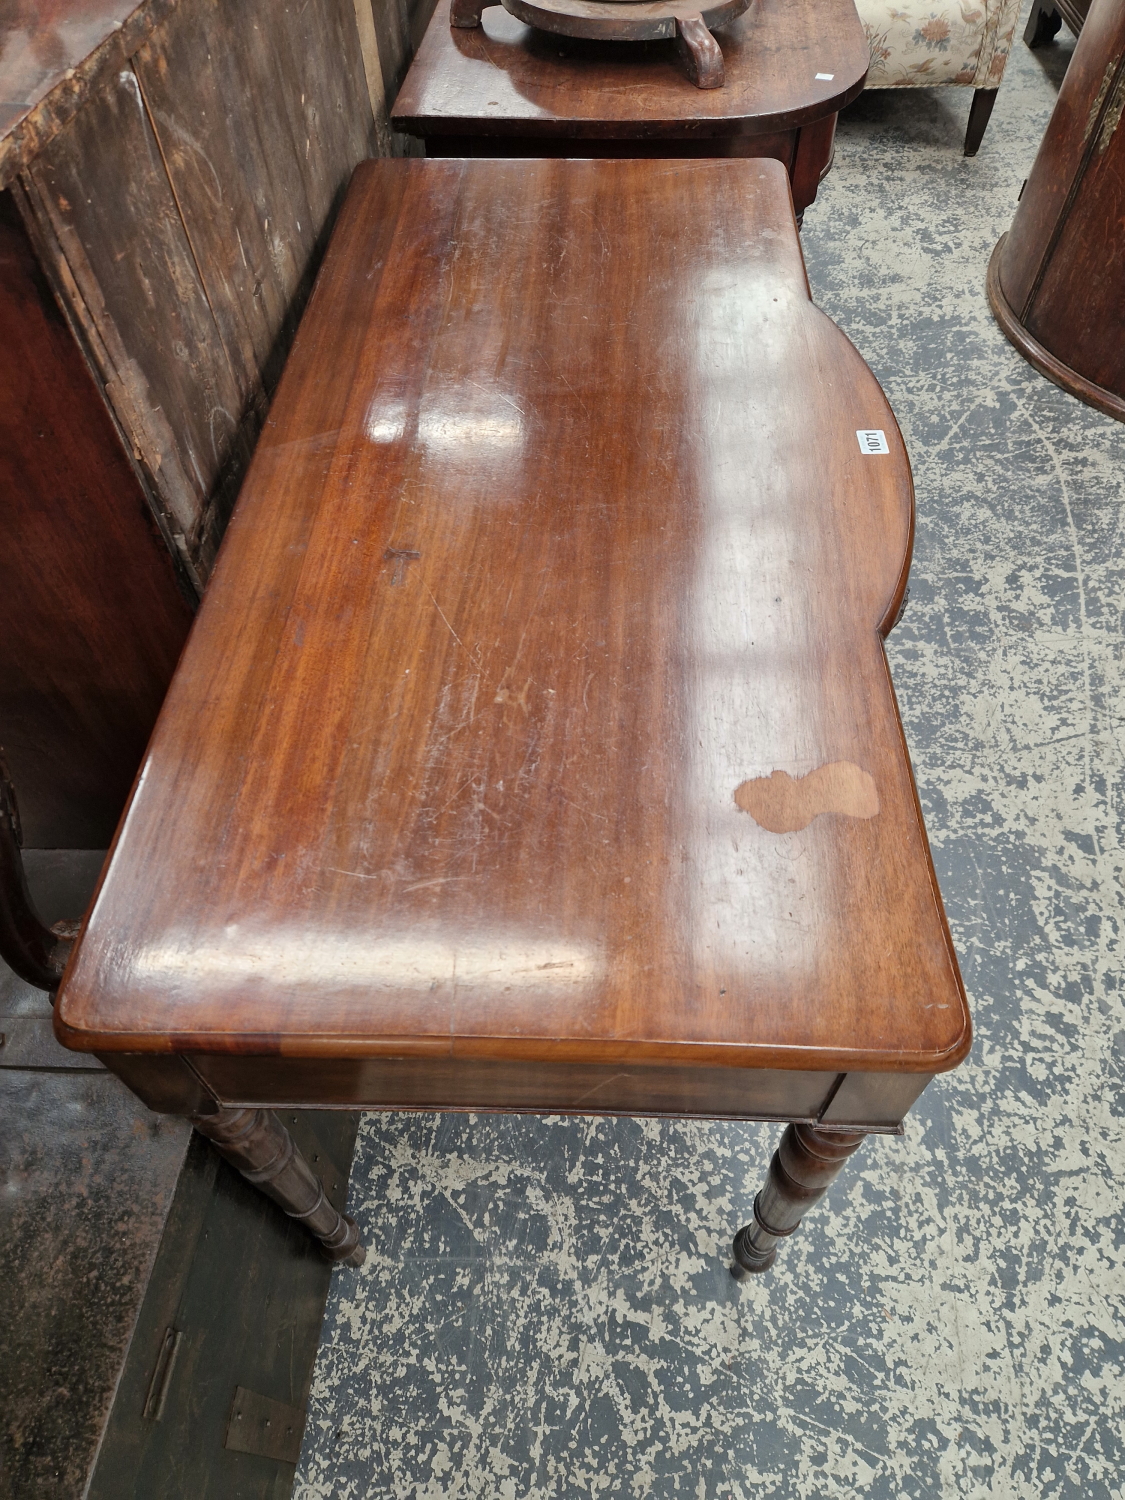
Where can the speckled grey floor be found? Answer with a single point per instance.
(545, 1310)
(87, 1176)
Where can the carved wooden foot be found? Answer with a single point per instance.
(467, 13)
(699, 52)
(802, 1167)
(258, 1144)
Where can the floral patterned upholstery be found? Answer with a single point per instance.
(920, 43)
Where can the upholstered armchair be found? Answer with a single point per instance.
(937, 43)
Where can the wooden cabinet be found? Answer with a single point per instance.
(169, 176)
(91, 618)
(1056, 278)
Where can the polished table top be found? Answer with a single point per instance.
(505, 78)
(538, 707)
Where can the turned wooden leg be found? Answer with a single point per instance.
(979, 113)
(803, 1165)
(816, 144)
(258, 1144)
(699, 52)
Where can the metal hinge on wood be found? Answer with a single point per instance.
(271, 1429)
(902, 606)
(162, 1375)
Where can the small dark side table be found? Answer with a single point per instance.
(535, 746)
(505, 89)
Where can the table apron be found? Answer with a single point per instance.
(197, 1082)
(779, 144)
(804, 151)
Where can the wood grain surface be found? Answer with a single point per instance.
(41, 43)
(503, 78)
(559, 532)
(91, 618)
(181, 213)
(53, 55)
(399, 28)
(260, 118)
(108, 211)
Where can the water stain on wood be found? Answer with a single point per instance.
(785, 804)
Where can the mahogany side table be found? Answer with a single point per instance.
(505, 89)
(535, 746)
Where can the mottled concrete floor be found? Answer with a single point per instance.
(546, 1311)
(87, 1176)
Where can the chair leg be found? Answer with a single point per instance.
(1043, 24)
(37, 953)
(983, 100)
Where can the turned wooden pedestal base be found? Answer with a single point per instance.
(648, 20)
(803, 1166)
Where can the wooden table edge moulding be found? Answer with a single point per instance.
(504, 88)
(535, 747)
